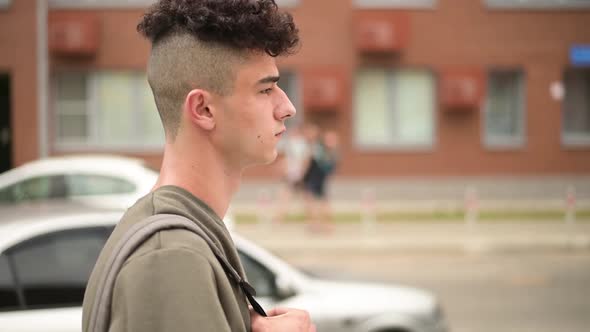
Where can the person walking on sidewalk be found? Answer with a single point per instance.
(296, 153)
(213, 75)
(322, 164)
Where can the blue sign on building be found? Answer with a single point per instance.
(580, 55)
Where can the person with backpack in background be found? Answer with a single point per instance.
(322, 163)
(296, 153)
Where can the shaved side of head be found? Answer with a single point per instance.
(180, 63)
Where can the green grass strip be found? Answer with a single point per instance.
(442, 216)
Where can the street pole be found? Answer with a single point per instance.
(368, 210)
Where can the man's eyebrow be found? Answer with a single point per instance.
(268, 79)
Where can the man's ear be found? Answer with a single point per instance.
(197, 107)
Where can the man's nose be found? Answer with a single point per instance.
(285, 108)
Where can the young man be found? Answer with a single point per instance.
(213, 75)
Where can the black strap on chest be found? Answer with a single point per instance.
(100, 311)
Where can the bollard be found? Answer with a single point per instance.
(570, 206)
(264, 209)
(570, 214)
(473, 241)
(471, 207)
(368, 210)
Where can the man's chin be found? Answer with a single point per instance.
(264, 160)
(271, 157)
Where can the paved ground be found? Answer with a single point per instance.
(504, 277)
(448, 187)
(422, 236)
(499, 292)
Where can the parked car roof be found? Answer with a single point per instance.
(102, 180)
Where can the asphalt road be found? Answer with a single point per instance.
(502, 292)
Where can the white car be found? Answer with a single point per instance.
(104, 181)
(45, 262)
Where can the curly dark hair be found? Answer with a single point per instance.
(241, 24)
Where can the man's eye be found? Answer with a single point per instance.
(266, 91)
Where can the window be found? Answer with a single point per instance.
(38, 188)
(395, 3)
(73, 117)
(394, 108)
(5, 4)
(576, 112)
(287, 3)
(53, 269)
(504, 112)
(537, 4)
(60, 186)
(290, 85)
(259, 276)
(8, 295)
(109, 109)
(86, 184)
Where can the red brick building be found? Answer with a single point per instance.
(414, 87)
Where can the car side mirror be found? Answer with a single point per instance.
(284, 287)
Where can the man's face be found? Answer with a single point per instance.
(251, 119)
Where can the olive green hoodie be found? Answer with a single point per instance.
(173, 282)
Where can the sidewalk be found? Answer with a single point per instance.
(428, 237)
(423, 194)
(530, 212)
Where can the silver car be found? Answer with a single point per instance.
(45, 261)
(102, 180)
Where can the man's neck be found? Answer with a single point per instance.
(206, 176)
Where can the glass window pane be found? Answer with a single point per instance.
(84, 184)
(107, 109)
(372, 110)
(33, 189)
(576, 116)
(115, 107)
(505, 105)
(6, 195)
(288, 83)
(39, 188)
(53, 269)
(71, 107)
(8, 297)
(71, 86)
(72, 127)
(151, 130)
(413, 105)
(258, 276)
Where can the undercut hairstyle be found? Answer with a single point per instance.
(198, 43)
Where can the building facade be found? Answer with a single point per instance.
(414, 87)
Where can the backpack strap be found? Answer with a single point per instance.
(100, 312)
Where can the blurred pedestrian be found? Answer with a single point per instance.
(322, 164)
(296, 154)
(213, 74)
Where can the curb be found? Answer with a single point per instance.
(420, 238)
